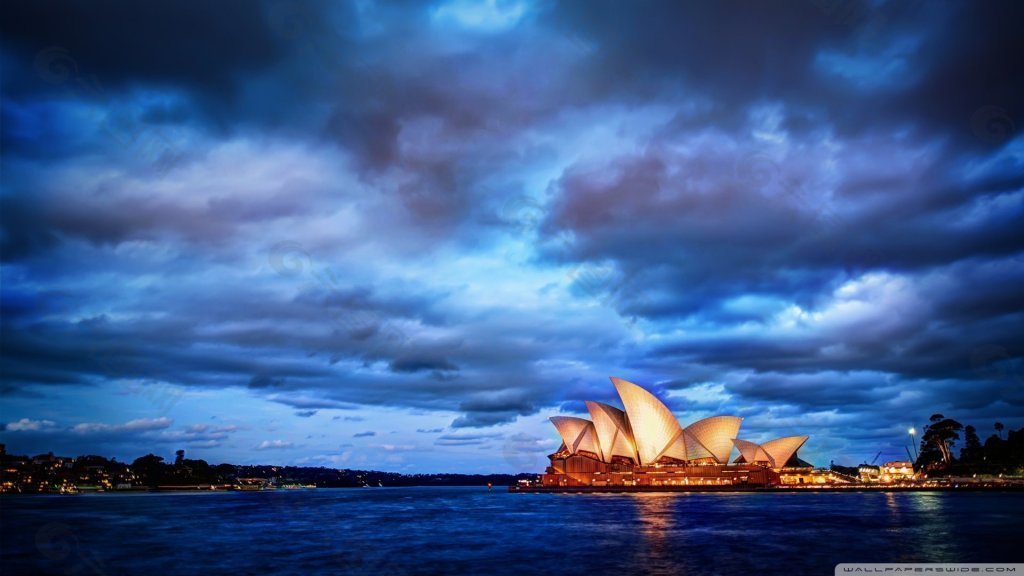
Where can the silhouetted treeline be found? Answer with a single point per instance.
(47, 472)
(996, 455)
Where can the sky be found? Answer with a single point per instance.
(401, 235)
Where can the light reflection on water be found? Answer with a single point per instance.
(472, 531)
(936, 526)
(657, 519)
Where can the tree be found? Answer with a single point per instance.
(972, 452)
(928, 454)
(84, 462)
(179, 456)
(150, 469)
(995, 450)
(999, 429)
(942, 433)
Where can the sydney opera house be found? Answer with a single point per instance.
(643, 445)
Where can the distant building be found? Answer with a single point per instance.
(869, 473)
(897, 471)
(810, 475)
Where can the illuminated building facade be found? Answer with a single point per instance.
(888, 473)
(644, 445)
(899, 471)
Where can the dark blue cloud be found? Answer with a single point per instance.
(457, 217)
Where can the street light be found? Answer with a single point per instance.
(913, 442)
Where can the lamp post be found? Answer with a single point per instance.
(913, 442)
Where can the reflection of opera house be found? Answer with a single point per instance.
(644, 445)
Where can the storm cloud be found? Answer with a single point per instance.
(459, 218)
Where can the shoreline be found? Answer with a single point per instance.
(228, 490)
(1014, 487)
(757, 489)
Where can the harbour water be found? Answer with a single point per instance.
(475, 531)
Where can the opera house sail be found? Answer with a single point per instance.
(643, 445)
(614, 437)
(775, 453)
(654, 427)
